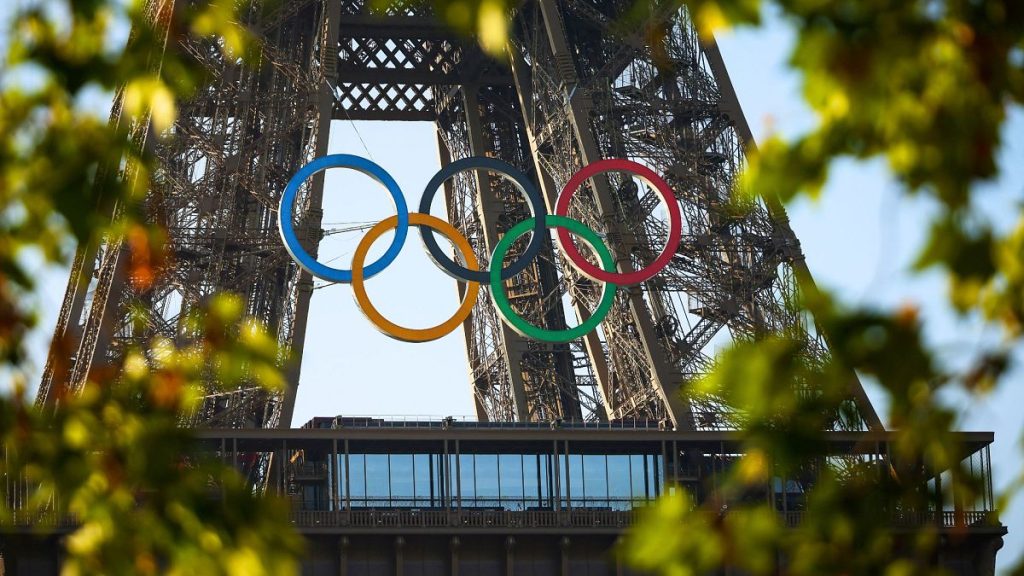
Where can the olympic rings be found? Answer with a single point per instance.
(675, 227)
(471, 273)
(516, 321)
(285, 216)
(521, 182)
(376, 318)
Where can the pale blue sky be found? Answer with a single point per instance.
(858, 239)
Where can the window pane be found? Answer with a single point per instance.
(441, 477)
(422, 479)
(512, 487)
(546, 476)
(378, 489)
(574, 490)
(357, 478)
(654, 477)
(401, 476)
(595, 480)
(563, 478)
(531, 480)
(638, 473)
(466, 477)
(487, 479)
(619, 485)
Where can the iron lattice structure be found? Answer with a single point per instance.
(577, 86)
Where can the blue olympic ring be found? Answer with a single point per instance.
(287, 210)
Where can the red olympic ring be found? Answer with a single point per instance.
(675, 231)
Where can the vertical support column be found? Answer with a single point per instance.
(665, 463)
(988, 479)
(343, 545)
(67, 335)
(348, 481)
(446, 480)
(454, 547)
(958, 499)
(568, 476)
(591, 341)
(445, 158)
(399, 556)
(311, 226)
(102, 314)
(510, 545)
(555, 485)
(458, 478)
(564, 549)
(335, 475)
(488, 210)
(664, 379)
(939, 506)
(618, 557)
(675, 468)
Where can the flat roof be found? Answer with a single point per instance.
(508, 434)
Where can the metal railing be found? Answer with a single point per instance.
(497, 519)
(470, 422)
(580, 519)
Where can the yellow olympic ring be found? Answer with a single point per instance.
(390, 328)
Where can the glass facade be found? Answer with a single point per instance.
(493, 481)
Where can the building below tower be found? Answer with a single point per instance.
(444, 497)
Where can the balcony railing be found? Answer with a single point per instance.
(389, 520)
(530, 520)
(470, 422)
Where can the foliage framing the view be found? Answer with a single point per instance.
(924, 85)
(112, 458)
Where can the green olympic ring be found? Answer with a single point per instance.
(517, 322)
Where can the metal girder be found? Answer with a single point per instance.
(390, 66)
(223, 166)
(592, 89)
(510, 374)
(731, 107)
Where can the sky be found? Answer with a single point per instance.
(859, 239)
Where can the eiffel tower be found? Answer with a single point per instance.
(576, 434)
(576, 87)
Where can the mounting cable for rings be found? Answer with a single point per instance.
(471, 272)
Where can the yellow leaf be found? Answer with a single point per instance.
(76, 433)
(753, 467)
(210, 541)
(244, 562)
(162, 105)
(226, 307)
(144, 95)
(86, 539)
(710, 19)
(135, 366)
(492, 26)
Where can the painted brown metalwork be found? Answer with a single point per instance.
(576, 87)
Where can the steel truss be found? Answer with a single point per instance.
(577, 87)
